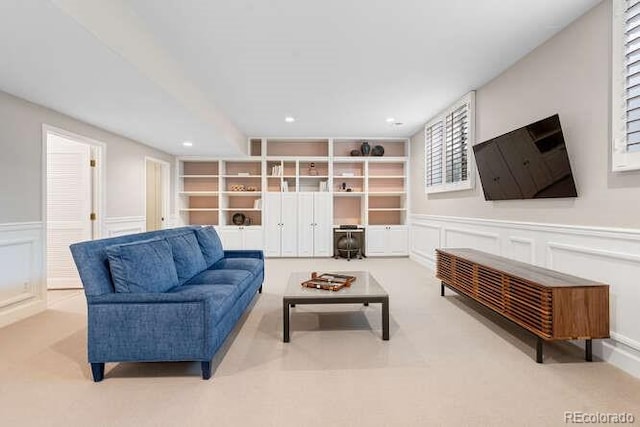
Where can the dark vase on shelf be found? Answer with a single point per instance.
(365, 148)
(377, 151)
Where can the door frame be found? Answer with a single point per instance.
(99, 184)
(166, 185)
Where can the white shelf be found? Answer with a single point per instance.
(348, 193)
(199, 176)
(386, 176)
(315, 176)
(348, 177)
(387, 193)
(241, 209)
(387, 209)
(241, 176)
(243, 193)
(199, 193)
(199, 209)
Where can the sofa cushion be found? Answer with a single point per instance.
(239, 279)
(210, 244)
(186, 255)
(221, 298)
(253, 265)
(144, 266)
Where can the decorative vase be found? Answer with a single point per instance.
(365, 148)
(377, 151)
(238, 218)
(312, 169)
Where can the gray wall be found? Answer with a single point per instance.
(568, 75)
(21, 162)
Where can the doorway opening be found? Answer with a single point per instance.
(73, 205)
(156, 193)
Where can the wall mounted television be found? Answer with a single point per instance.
(527, 163)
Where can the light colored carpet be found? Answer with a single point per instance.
(448, 362)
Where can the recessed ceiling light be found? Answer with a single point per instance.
(187, 144)
(289, 119)
(391, 120)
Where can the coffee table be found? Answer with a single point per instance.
(364, 290)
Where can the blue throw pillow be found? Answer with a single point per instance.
(186, 255)
(144, 266)
(210, 245)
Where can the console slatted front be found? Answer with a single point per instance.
(552, 305)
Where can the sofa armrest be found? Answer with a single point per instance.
(244, 254)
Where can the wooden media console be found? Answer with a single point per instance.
(551, 305)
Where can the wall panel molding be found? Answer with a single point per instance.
(119, 226)
(22, 285)
(608, 255)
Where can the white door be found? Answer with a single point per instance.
(322, 230)
(398, 240)
(305, 224)
(272, 212)
(69, 207)
(231, 238)
(289, 220)
(376, 237)
(155, 194)
(252, 238)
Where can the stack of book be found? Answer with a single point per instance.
(276, 170)
(285, 186)
(324, 186)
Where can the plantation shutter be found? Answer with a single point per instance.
(433, 154)
(457, 126)
(632, 74)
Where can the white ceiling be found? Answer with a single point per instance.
(213, 72)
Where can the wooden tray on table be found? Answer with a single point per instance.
(328, 281)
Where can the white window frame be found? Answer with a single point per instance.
(470, 100)
(621, 159)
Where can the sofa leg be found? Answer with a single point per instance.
(260, 289)
(206, 370)
(97, 369)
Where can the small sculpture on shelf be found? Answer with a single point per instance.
(312, 169)
(377, 151)
(238, 218)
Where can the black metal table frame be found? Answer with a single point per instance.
(588, 343)
(288, 302)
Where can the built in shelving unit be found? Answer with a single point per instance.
(368, 191)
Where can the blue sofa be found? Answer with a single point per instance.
(169, 295)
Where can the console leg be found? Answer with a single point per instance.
(539, 354)
(588, 350)
(97, 370)
(206, 370)
(441, 289)
(260, 289)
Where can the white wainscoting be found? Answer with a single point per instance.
(22, 284)
(119, 226)
(607, 255)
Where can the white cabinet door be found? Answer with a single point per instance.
(231, 238)
(252, 238)
(289, 221)
(397, 240)
(322, 231)
(305, 224)
(376, 237)
(272, 211)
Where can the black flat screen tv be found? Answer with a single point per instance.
(527, 163)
